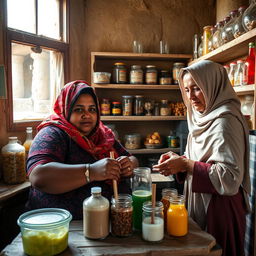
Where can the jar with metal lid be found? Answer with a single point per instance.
(105, 107)
(138, 105)
(116, 108)
(136, 75)
(132, 141)
(13, 159)
(177, 66)
(121, 215)
(165, 77)
(119, 73)
(151, 74)
(164, 109)
(127, 105)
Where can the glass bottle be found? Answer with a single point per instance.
(200, 48)
(156, 109)
(249, 66)
(249, 16)
(231, 74)
(167, 193)
(195, 46)
(227, 34)
(177, 217)
(13, 159)
(238, 78)
(96, 215)
(141, 192)
(210, 43)
(29, 139)
(121, 215)
(238, 28)
(216, 39)
(138, 105)
(223, 34)
(153, 222)
(206, 38)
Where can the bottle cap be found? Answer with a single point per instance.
(96, 190)
(29, 129)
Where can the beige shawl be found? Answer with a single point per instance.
(218, 136)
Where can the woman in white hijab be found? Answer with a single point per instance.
(215, 164)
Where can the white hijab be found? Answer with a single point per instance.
(218, 136)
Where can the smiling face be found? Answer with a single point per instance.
(194, 93)
(84, 114)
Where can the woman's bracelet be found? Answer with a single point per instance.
(87, 173)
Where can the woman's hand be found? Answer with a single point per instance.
(126, 166)
(105, 169)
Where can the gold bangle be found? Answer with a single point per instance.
(87, 173)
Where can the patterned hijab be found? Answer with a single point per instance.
(100, 141)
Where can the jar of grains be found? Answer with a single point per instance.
(119, 73)
(136, 75)
(121, 215)
(151, 74)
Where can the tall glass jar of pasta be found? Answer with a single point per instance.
(13, 156)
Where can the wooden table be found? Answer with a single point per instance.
(196, 242)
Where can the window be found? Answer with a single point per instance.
(36, 58)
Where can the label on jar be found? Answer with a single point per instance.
(151, 78)
(127, 109)
(165, 80)
(164, 111)
(122, 76)
(116, 111)
(105, 109)
(136, 77)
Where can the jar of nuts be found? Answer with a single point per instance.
(13, 157)
(121, 215)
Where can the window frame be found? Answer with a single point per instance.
(25, 38)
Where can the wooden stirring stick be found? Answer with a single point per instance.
(153, 200)
(112, 155)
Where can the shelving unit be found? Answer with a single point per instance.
(233, 50)
(104, 62)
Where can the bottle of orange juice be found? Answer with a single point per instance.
(177, 217)
(28, 140)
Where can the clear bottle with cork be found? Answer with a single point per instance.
(96, 215)
(29, 140)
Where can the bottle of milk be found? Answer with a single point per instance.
(96, 215)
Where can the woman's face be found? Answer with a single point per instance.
(84, 114)
(194, 93)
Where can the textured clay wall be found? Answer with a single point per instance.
(112, 25)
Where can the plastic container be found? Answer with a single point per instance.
(153, 222)
(13, 159)
(132, 141)
(101, 77)
(121, 215)
(45, 231)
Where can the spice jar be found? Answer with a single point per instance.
(153, 222)
(116, 108)
(167, 193)
(138, 105)
(119, 73)
(132, 141)
(176, 70)
(121, 215)
(136, 75)
(127, 105)
(177, 217)
(165, 77)
(105, 107)
(151, 74)
(13, 158)
(164, 109)
(96, 215)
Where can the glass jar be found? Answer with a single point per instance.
(167, 193)
(29, 140)
(156, 109)
(132, 141)
(231, 74)
(105, 107)
(151, 74)
(136, 75)
(177, 217)
(13, 159)
(121, 215)
(227, 34)
(177, 66)
(116, 108)
(223, 35)
(153, 222)
(216, 39)
(138, 105)
(164, 108)
(249, 16)
(238, 78)
(247, 109)
(238, 28)
(96, 215)
(206, 38)
(119, 73)
(200, 49)
(210, 43)
(173, 141)
(141, 192)
(127, 105)
(165, 77)
(44, 231)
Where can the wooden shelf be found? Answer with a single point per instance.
(244, 89)
(231, 50)
(143, 118)
(137, 86)
(153, 151)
